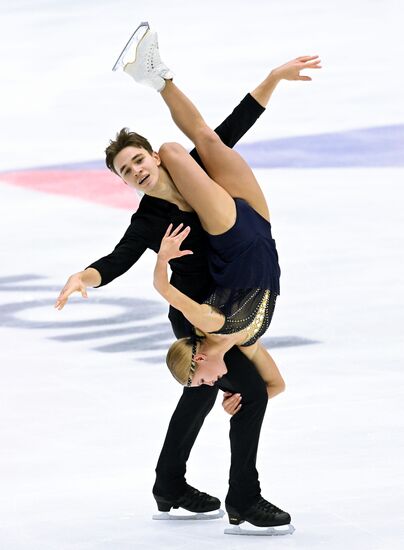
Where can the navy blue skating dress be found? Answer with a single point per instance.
(244, 266)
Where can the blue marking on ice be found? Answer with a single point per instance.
(368, 147)
(381, 146)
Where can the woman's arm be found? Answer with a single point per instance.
(267, 368)
(200, 315)
(288, 71)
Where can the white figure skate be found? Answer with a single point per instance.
(141, 60)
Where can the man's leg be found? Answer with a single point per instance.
(244, 501)
(245, 428)
(184, 427)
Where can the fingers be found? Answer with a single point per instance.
(184, 233)
(315, 65)
(180, 235)
(231, 403)
(310, 64)
(60, 303)
(306, 57)
(176, 230)
(166, 234)
(63, 297)
(309, 61)
(83, 292)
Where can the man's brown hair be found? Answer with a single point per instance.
(123, 139)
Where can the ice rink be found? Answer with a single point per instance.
(85, 397)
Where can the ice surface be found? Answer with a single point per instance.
(84, 398)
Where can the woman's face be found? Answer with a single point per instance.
(138, 168)
(209, 370)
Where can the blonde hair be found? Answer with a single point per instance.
(179, 358)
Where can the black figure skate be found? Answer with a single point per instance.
(191, 500)
(267, 519)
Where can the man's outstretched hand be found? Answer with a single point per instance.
(78, 283)
(74, 284)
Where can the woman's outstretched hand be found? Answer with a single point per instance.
(231, 402)
(171, 242)
(291, 69)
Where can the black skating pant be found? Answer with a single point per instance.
(245, 427)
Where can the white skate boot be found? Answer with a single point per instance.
(141, 60)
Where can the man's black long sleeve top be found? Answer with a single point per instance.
(190, 274)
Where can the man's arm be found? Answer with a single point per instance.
(127, 252)
(78, 282)
(106, 269)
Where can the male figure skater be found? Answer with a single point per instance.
(191, 276)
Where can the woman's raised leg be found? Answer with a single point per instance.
(224, 165)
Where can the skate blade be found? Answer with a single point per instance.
(261, 531)
(125, 57)
(201, 516)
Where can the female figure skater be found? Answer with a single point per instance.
(233, 211)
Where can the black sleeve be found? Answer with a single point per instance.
(233, 128)
(125, 254)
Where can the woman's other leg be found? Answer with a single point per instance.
(225, 166)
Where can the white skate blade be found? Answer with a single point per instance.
(260, 531)
(128, 54)
(201, 516)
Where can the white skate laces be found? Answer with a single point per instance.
(147, 68)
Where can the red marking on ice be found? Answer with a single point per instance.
(99, 186)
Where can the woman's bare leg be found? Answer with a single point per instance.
(213, 204)
(224, 165)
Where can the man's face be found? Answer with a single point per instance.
(138, 168)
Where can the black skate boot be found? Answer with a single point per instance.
(261, 514)
(192, 500)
